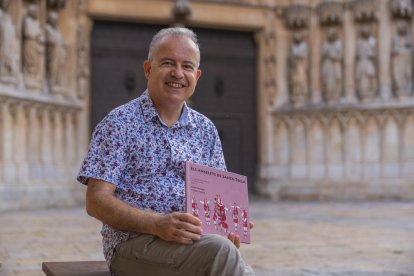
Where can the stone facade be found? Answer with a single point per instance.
(349, 136)
(43, 118)
(335, 94)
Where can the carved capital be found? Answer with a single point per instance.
(56, 4)
(401, 8)
(365, 10)
(297, 16)
(181, 10)
(331, 13)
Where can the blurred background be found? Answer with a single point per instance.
(313, 101)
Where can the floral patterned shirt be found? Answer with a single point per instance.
(133, 149)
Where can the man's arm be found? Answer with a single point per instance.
(103, 205)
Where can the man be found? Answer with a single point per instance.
(134, 170)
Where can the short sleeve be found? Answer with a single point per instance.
(106, 156)
(217, 158)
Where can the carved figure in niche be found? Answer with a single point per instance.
(298, 69)
(402, 60)
(366, 73)
(33, 48)
(56, 54)
(8, 45)
(332, 66)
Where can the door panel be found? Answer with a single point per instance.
(226, 93)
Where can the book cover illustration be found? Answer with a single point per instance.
(219, 199)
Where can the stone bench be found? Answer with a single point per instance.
(93, 268)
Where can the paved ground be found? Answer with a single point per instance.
(367, 239)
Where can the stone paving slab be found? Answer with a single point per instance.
(295, 239)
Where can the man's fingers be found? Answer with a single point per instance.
(179, 227)
(235, 239)
(251, 224)
(183, 236)
(187, 218)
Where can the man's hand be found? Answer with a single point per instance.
(179, 227)
(236, 238)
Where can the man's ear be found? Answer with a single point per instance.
(198, 74)
(147, 68)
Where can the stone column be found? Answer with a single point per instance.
(384, 50)
(371, 148)
(408, 147)
(20, 144)
(354, 147)
(390, 147)
(57, 144)
(349, 56)
(267, 95)
(334, 149)
(314, 59)
(34, 144)
(298, 164)
(46, 145)
(70, 135)
(9, 168)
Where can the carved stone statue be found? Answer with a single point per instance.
(56, 54)
(8, 45)
(332, 66)
(366, 73)
(298, 58)
(33, 49)
(402, 60)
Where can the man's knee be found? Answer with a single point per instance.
(216, 244)
(224, 257)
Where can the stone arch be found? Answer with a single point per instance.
(334, 149)
(408, 147)
(371, 148)
(390, 147)
(298, 147)
(317, 151)
(353, 148)
(281, 144)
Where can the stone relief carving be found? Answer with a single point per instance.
(331, 13)
(56, 54)
(269, 59)
(8, 45)
(332, 66)
(401, 8)
(83, 71)
(366, 69)
(297, 16)
(56, 4)
(33, 49)
(401, 57)
(365, 10)
(298, 64)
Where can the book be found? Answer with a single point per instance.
(219, 199)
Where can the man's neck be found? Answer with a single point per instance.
(169, 115)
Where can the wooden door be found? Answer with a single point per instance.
(226, 92)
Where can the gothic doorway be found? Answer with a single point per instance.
(226, 92)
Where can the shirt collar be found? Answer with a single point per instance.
(149, 112)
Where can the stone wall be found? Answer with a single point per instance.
(340, 115)
(43, 119)
(335, 96)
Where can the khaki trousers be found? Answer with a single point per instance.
(149, 255)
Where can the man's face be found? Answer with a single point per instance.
(172, 73)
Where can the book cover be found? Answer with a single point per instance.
(219, 199)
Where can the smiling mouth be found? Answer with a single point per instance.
(175, 85)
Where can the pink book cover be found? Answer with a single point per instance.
(219, 199)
